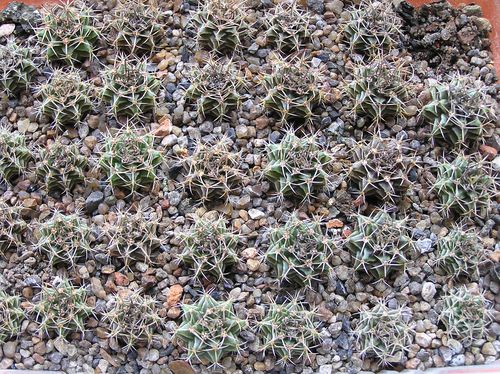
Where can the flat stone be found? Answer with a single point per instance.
(181, 367)
(256, 214)
(7, 29)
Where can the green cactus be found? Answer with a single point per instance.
(11, 316)
(13, 228)
(17, 68)
(209, 248)
(209, 330)
(297, 167)
(379, 245)
(68, 32)
(15, 156)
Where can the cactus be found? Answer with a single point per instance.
(132, 319)
(130, 160)
(65, 239)
(379, 89)
(292, 90)
(384, 333)
(299, 252)
(372, 26)
(380, 169)
(459, 253)
(11, 316)
(465, 315)
(61, 167)
(209, 330)
(464, 186)
(289, 331)
(214, 88)
(66, 98)
(137, 26)
(14, 155)
(459, 112)
(62, 308)
(287, 27)
(17, 68)
(209, 248)
(379, 245)
(68, 32)
(220, 25)
(297, 167)
(132, 237)
(212, 172)
(13, 228)
(129, 90)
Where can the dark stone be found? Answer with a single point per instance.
(93, 201)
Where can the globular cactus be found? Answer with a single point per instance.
(298, 167)
(61, 167)
(209, 248)
(300, 253)
(17, 68)
(137, 27)
(11, 316)
(384, 333)
(220, 25)
(13, 228)
(464, 187)
(372, 26)
(289, 332)
(292, 90)
(212, 172)
(15, 156)
(464, 314)
(287, 26)
(66, 98)
(130, 160)
(129, 89)
(459, 112)
(209, 330)
(64, 239)
(459, 253)
(68, 32)
(61, 308)
(380, 245)
(215, 89)
(380, 169)
(379, 89)
(132, 319)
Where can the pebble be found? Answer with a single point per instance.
(428, 291)
(489, 349)
(423, 340)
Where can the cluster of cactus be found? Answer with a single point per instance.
(379, 89)
(14, 155)
(65, 98)
(68, 32)
(61, 167)
(220, 25)
(289, 331)
(297, 167)
(459, 111)
(292, 89)
(17, 68)
(61, 308)
(299, 252)
(137, 26)
(214, 88)
(464, 314)
(212, 172)
(209, 248)
(209, 330)
(379, 245)
(372, 26)
(12, 227)
(11, 316)
(384, 333)
(130, 160)
(380, 169)
(65, 239)
(287, 26)
(129, 89)
(132, 319)
(464, 186)
(132, 237)
(459, 253)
